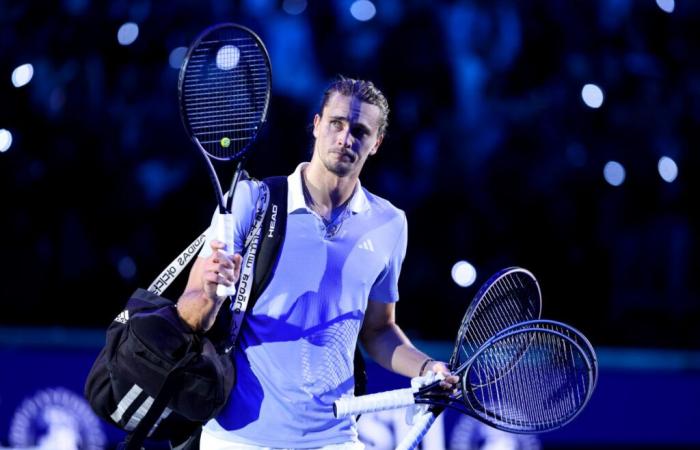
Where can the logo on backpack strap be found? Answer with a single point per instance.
(273, 221)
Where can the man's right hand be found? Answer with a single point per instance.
(219, 268)
(199, 304)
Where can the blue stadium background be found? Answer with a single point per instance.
(555, 135)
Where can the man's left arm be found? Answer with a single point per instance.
(387, 344)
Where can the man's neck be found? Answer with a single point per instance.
(327, 190)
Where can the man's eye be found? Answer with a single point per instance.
(336, 123)
(359, 132)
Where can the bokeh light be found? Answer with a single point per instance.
(227, 57)
(363, 10)
(592, 95)
(294, 7)
(614, 173)
(668, 169)
(463, 273)
(5, 140)
(177, 56)
(666, 5)
(128, 33)
(22, 75)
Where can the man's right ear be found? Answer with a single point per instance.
(317, 120)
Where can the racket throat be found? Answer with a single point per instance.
(234, 182)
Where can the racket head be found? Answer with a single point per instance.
(510, 296)
(224, 90)
(566, 330)
(538, 390)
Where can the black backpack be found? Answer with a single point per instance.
(156, 379)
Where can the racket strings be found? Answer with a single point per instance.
(570, 333)
(225, 91)
(545, 388)
(511, 299)
(502, 306)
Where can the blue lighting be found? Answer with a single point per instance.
(126, 267)
(5, 140)
(668, 169)
(128, 33)
(177, 55)
(363, 10)
(592, 96)
(227, 57)
(294, 7)
(666, 5)
(463, 273)
(614, 173)
(22, 75)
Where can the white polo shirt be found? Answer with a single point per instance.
(294, 355)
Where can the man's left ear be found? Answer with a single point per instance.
(380, 138)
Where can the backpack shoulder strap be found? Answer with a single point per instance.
(273, 231)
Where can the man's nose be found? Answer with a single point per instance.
(345, 139)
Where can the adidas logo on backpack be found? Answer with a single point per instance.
(123, 317)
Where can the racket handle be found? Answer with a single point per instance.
(421, 425)
(352, 406)
(224, 233)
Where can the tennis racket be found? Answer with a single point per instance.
(570, 332)
(510, 296)
(526, 379)
(224, 92)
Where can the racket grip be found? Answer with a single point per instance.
(224, 233)
(421, 425)
(351, 406)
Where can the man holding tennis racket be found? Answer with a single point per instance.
(336, 279)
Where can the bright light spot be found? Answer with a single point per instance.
(363, 10)
(227, 57)
(177, 56)
(614, 173)
(5, 140)
(22, 75)
(666, 5)
(294, 7)
(668, 169)
(126, 267)
(128, 33)
(592, 95)
(463, 273)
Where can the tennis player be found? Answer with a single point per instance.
(336, 280)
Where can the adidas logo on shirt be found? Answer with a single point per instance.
(367, 245)
(123, 317)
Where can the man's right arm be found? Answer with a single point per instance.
(199, 304)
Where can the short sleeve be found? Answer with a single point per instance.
(386, 287)
(243, 208)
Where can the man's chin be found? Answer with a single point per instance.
(339, 168)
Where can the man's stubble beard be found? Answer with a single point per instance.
(336, 167)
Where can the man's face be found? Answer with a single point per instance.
(346, 134)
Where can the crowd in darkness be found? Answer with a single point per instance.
(490, 151)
